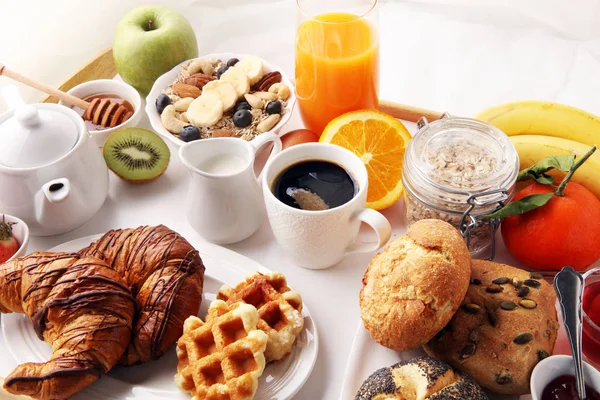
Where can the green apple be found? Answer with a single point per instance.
(149, 41)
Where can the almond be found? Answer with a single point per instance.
(222, 133)
(254, 101)
(268, 123)
(199, 80)
(184, 90)
(267, 96)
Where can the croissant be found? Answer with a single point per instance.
(165, 275)
(80, 306)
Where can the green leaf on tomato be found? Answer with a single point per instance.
(522, 206)
(538, 171)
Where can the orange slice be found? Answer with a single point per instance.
(380, 141)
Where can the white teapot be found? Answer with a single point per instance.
(52, 175)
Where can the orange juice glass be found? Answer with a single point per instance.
(337, 59)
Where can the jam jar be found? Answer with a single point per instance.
(459, 170)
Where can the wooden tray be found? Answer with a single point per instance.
(103, 67)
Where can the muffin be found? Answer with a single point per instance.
(412, 289)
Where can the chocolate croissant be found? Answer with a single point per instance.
(80, 306)
(165, 275)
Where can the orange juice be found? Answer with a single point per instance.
(337, 67)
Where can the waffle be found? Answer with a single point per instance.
(279, 309)
(222, 358)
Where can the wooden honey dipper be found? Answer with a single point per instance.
(102, 112)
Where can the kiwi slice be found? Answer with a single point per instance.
(136, 155)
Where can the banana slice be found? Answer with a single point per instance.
(253, 67)
(224, 90)
(238, 79)
(205, 110)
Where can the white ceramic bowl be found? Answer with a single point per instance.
(20, 232)
(169, 77)
(110, 86)
(553, 367)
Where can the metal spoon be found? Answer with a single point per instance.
(568, 284)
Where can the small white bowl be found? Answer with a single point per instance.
(20, 232)
(553, 367)
(110, 86)
(169, 77)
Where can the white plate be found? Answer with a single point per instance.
(154, 380)
(169, 77)
(367, 356)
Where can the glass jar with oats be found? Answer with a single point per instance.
(459, 170)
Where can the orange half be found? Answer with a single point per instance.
(380, 141)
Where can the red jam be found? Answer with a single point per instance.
(591, 334)
(565, 388)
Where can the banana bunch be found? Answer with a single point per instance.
(540, 129)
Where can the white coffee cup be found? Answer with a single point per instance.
(224, 203)
(320, 239)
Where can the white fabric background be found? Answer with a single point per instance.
(452, 55)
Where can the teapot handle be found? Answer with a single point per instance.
(263, 139)
(57, 190)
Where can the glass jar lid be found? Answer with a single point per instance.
(451, 159)
(37, 135)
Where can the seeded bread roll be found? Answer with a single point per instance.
(422, 378)
(413, 288)
(506, 325)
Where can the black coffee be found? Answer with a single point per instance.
(315, 185)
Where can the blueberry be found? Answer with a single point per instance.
(273, 107)
(189, 133)
(222, 70)
(162, 102)
(232, 62)
(242, 118)
(242, 105)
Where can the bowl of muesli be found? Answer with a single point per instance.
(220, 95)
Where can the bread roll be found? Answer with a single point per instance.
(507, 324)
(422, 378)
(413, 288)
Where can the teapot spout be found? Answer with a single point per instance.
(52, 202)
(57, 191)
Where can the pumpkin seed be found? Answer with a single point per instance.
(501, 281)
(523, 338)
(467, 351)
(474, 335)
(528, 303)
(524, 291)
(517, 283)
(494, 288)
(492, 318)
(535, 275)
(475, 282)
(503, 378)
(543, 354)
(532, 283)
(471, 308)
(508, 305)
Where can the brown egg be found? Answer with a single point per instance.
(298, 136)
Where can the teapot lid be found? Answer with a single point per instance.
(37, 135)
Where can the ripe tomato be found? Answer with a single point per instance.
(565, 231)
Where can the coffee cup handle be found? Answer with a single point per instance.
(263, 139)
(380, 225)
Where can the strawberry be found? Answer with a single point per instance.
(8, 244)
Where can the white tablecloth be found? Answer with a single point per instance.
(458, 56)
